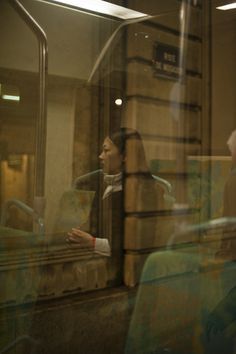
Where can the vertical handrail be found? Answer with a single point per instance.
(41, 124)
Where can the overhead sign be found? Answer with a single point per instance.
(167, 61)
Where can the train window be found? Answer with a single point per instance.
(52, 178)
(117, 164)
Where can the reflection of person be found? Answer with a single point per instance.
(122, 151)
(229, 205)
(230, 186)
(223, 316)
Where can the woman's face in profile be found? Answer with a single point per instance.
(110, 157)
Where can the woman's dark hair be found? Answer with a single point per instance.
(130, 145)
(149, 195)
(120, 137)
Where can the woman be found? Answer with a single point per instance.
(122, 153)
(112, 160)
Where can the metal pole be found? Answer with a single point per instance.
(41, 125)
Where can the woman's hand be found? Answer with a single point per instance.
(80, 238)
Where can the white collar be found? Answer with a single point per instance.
(113, 182)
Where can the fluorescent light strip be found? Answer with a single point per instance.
(11, 97)
(102, 7)
(227, 7)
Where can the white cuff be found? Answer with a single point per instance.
(102, 246)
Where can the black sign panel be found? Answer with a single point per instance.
(167, 61)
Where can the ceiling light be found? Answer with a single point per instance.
(100, 6)
(118, 101)
(9, 92)
(11, 97)
(228, 6)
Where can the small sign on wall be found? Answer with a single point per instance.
(166, 61)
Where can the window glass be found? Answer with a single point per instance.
(117, 165)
